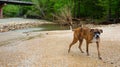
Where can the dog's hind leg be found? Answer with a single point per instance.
(73, 42)
(80, 44)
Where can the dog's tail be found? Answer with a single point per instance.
(80, 28)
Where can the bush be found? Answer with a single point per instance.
(11, 11)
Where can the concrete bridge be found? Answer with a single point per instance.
(15, 2)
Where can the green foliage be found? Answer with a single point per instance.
(110, 6)
(11, 10)
(42, 8)
(46, 8)
(95, 9)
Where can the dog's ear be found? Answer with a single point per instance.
(91, 30)
(101, 30)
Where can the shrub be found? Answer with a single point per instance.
(11, 11)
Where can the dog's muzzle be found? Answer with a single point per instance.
(96, 36)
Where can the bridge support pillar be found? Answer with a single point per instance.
(1, 11)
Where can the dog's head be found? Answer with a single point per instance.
(96, 33)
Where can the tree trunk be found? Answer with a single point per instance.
(43, 14)
(79, 9)
(74, 9)
(1, 11)
(117, 14)
(109, 11)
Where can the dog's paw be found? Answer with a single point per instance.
(100, 58)
(82, 51)
(87, 54)
(68, 51)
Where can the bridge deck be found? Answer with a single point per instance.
(15, 2)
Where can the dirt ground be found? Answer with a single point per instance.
(50, 49)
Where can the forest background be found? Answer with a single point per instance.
(66, 11)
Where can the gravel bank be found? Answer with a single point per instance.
(19, 23)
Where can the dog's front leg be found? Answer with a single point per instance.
(98, 50)
(87, 48)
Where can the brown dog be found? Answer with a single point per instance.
(90, 35)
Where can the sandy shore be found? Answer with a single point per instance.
(49, 49)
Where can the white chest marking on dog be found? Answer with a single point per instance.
(94, 40)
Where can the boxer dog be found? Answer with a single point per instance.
(90, 35)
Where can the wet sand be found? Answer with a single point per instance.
(49, 49)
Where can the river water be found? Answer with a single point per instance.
(45, 25)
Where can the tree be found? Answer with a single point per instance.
(111, 9)
(92, 9)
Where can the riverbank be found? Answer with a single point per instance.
(10, 24)
(49, 48)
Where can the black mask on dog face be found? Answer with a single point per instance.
(96, 33)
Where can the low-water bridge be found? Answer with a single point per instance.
(15, 2)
